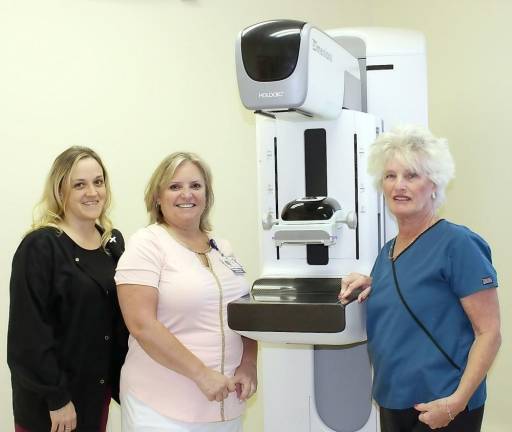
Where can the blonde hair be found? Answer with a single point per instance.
(417, 149)
(51, 209)
(161, 178)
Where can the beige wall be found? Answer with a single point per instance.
(137, 79)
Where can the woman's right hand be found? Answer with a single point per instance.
(214, 385)
(355, 282)
(63, 419)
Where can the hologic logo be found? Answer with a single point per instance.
(271, 94)
(323, 52)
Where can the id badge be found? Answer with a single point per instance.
(231, 263)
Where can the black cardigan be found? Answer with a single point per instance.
(66, 338)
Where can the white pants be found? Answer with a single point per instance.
(138, 417)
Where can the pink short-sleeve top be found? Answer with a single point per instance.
(192, 304)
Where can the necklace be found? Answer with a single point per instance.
(393, 256)
(185, 245)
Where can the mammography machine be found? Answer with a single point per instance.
(320, 99)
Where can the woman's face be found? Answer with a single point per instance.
(408, 193)
(86, 194)
(183, 201)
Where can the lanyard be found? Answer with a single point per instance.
(229, 261)
(413, 315)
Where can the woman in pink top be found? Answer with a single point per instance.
(186, 370)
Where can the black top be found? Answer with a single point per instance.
(66, 339)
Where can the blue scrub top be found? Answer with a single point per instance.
(444, 264)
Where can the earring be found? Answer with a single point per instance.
(157, 205)
(434, 195)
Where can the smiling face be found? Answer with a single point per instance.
(85, 193)
(408, 193)
(183, 200)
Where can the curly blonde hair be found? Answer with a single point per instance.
(418, 149)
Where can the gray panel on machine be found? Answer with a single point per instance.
(337, 369)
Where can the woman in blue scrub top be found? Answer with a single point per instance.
(433, 314)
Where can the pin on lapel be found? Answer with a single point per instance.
(112, 239)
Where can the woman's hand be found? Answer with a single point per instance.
(63, 419)
(440, 412)
(214, 385)
(352, 284)
(246, 380)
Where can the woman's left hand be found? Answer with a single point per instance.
(355, 283)
(246, 380)
(438, 413)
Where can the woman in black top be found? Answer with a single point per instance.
(66, 338)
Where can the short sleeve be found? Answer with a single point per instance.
(142, 261)
(471, 265)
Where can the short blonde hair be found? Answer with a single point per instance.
(419, 150)
(51, 209)
(163, 175)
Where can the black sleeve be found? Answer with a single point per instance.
(120, 331)
(31, 344)
(120, 243)
(116, 245)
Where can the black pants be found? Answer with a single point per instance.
(407, 421)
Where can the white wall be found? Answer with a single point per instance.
(138, 79)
